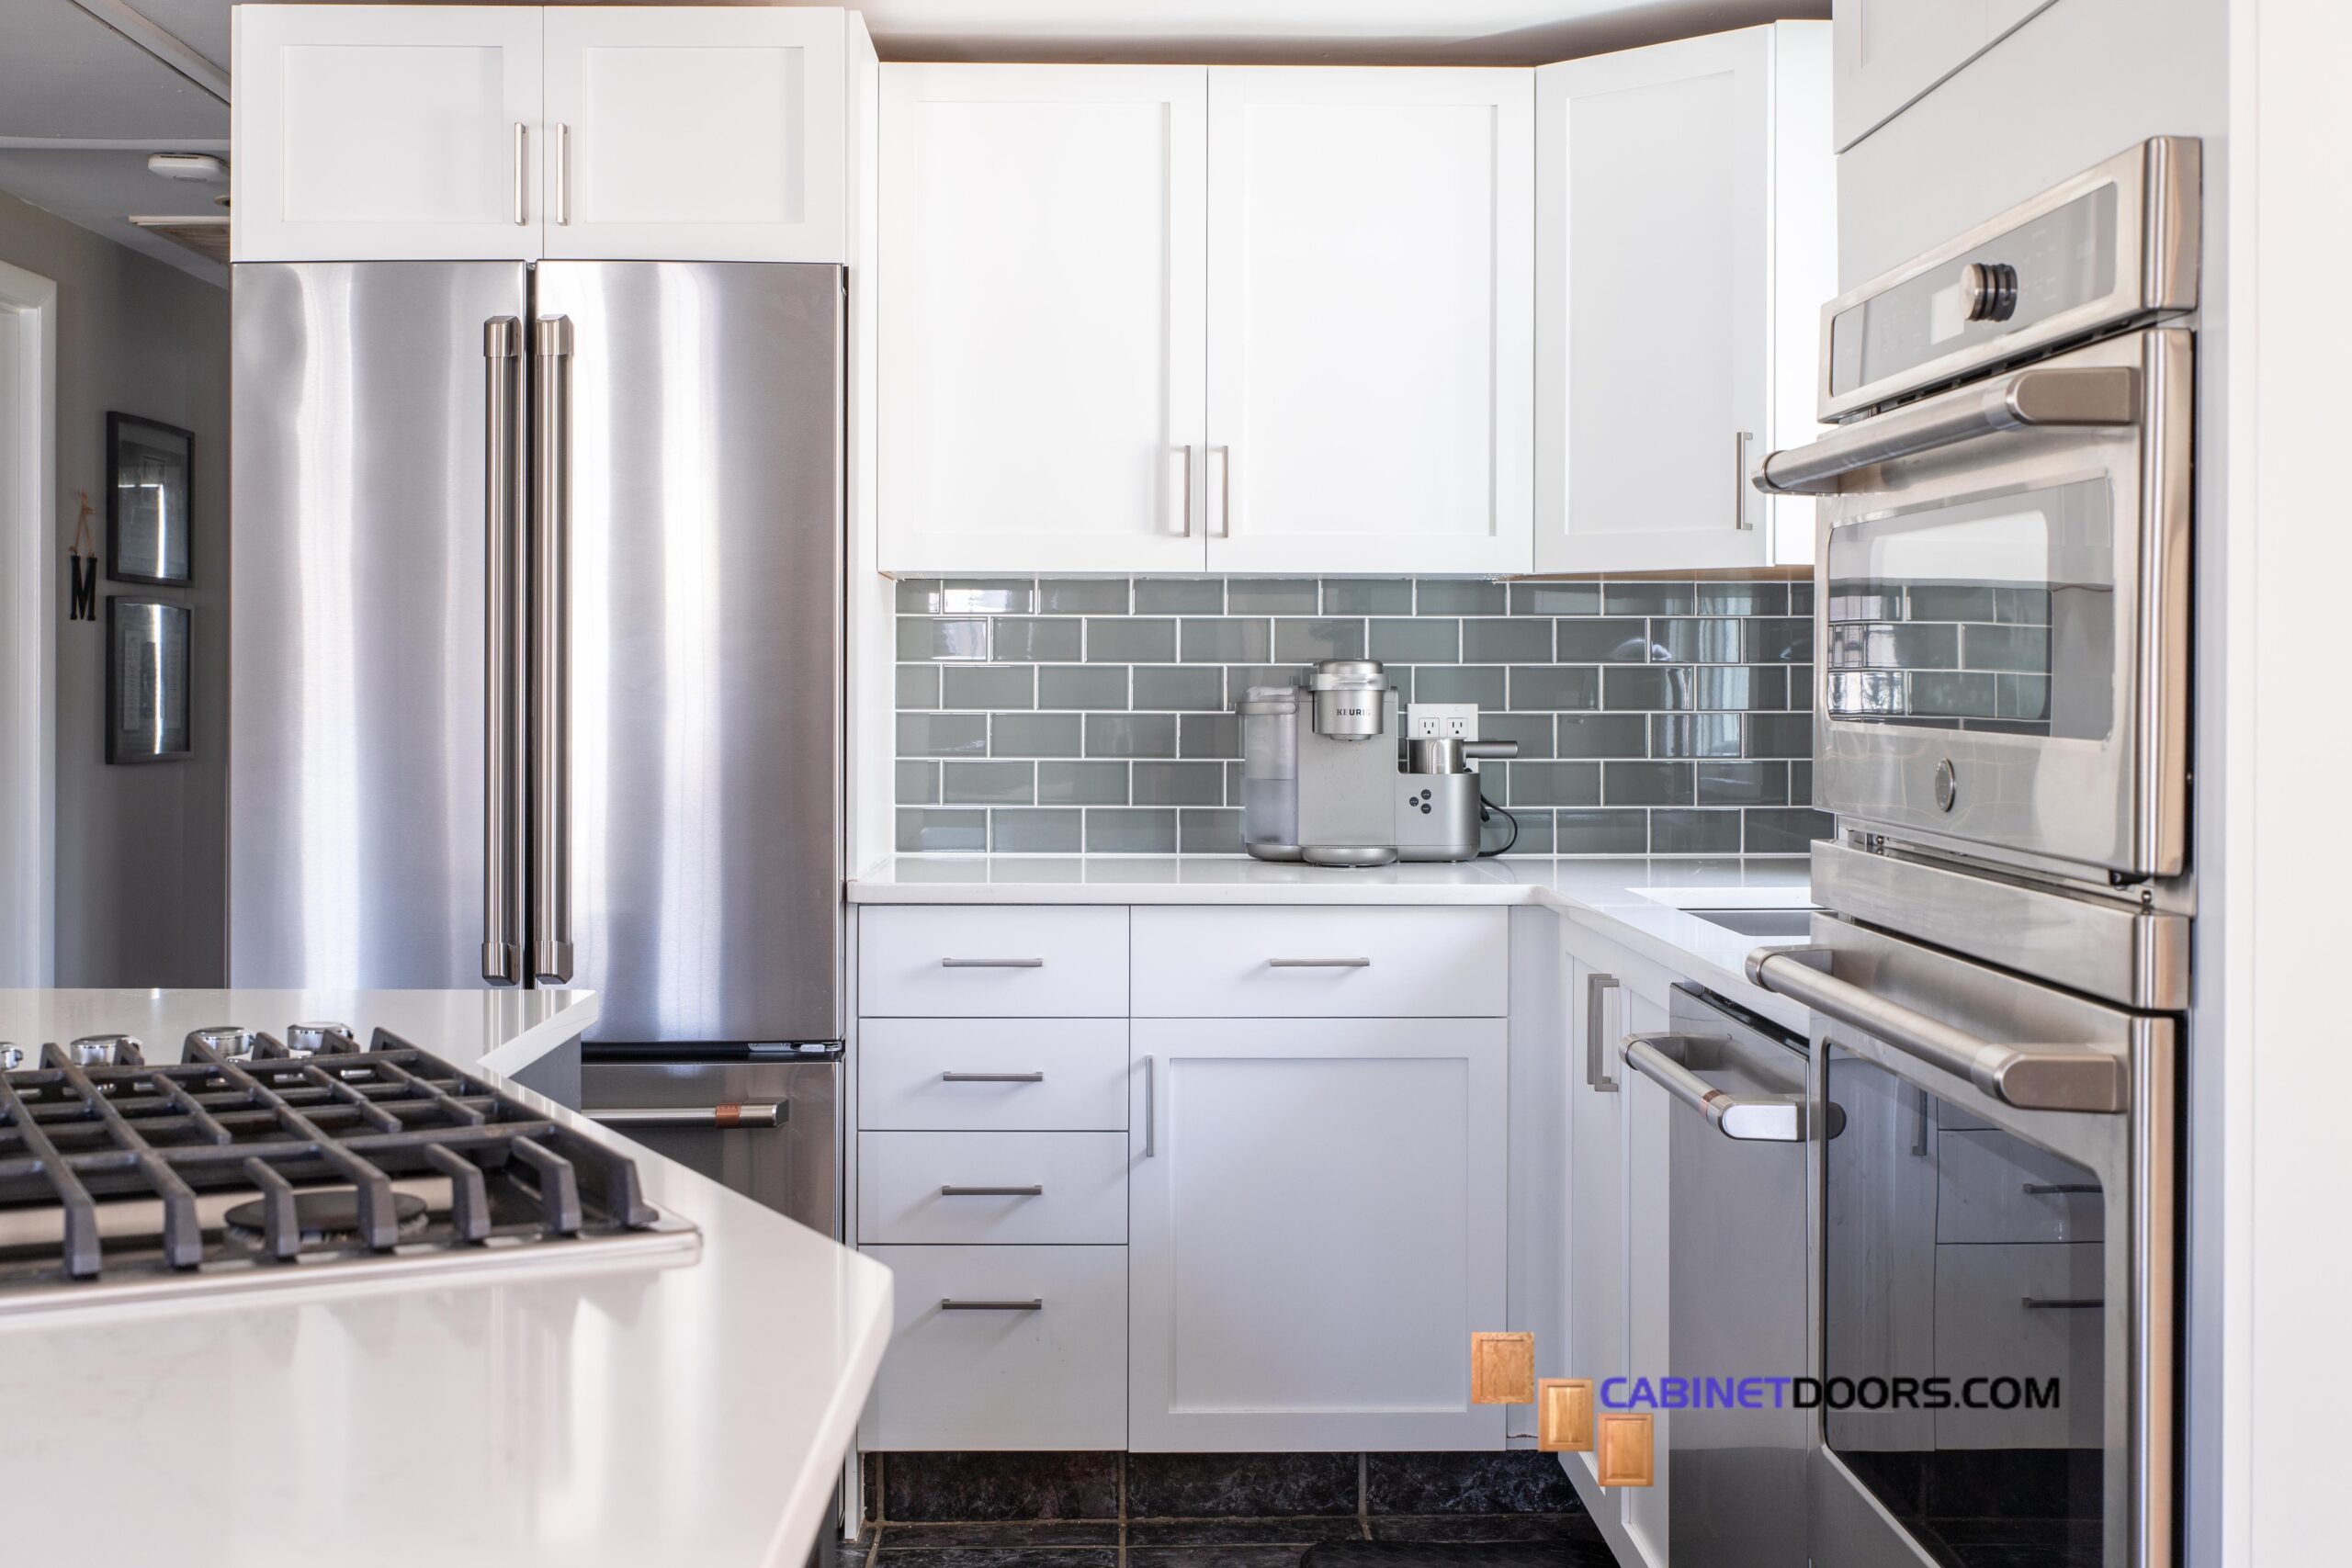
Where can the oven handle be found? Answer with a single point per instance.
(1763, 1119)
(729, 1113)
(2052, 396)
(2031, 1077)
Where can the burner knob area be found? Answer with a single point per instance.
(1947, 784)
(1991, 289)
(12, 1056)
(317, 1039)
(105, 1051)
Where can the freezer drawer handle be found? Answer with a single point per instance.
(991, 1077)
(2063, 397)
(2061, 1304)
(992, 964)
(1766, 1119)
(728, 1113)
(1034, 1189)
(949, 1303)
(2031, 1077)
(1318, 962)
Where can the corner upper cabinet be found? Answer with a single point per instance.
(1043, 234)
(1370, 263)
(385, 133)
(695, 133)
(1685, 243)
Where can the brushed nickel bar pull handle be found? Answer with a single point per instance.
(1035, 1190)
(2076, 397)
(2048, 1188)
(950, 1304)
(505, 570)
(993, 1078)
(2061, 1304)
(562, 172)
(730, 1114)
(2040, 1077)
(1739, 479)
(1595, 1075)
(1318, 962)
(1150, 1109)
(522, 164)
(992, 964)
(1224, 491)
(552, 656)
(1187, 450)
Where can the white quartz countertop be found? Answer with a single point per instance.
(690, 1411)
(1637, 902)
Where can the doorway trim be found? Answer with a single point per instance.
(29, 563)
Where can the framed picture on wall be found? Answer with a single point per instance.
(147, 680)
(149, 486)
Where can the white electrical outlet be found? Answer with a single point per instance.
(1433, 720)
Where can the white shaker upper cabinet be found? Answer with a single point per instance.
(385, 133)
(1686, 242)
(1370, 376)
(1890, 52)
(1043, 236)
(695, 133)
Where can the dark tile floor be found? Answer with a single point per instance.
(1105, 1510)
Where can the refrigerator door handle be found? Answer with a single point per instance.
(506, 577)
(552, 653)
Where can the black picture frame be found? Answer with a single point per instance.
(148, 642)
(151, 494)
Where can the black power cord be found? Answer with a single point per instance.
(1488, 812)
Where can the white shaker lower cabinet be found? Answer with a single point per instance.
(1648, 1129)
(1685, 240)
(1316, 1228)
(1596, 1288)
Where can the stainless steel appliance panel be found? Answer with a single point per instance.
(1735, 1263)
(700, 530)
(767, 1130)
(358, 478)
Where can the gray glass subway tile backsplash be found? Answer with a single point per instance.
(1088, 715)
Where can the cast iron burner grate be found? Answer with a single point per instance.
(251, 1154)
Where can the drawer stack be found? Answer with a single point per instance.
(993, 1172)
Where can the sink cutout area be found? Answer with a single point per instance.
(1776, 923)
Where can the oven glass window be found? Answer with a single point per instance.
(1989, 613)
(1964, 1325)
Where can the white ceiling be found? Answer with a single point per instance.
(81, 105)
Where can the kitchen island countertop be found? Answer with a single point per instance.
(1640, 903)
(693, 1409)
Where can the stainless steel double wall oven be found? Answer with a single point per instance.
(1999, 981)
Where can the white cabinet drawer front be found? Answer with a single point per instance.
(1054, 1377)
(1996, 1187)
(984, 962)
(998, 1189)
(1321, 963)
(1005, 1074)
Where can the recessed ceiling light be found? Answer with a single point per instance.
(202, 167)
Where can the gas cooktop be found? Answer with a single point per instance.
(256, 1159)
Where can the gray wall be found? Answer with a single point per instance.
(142, 851)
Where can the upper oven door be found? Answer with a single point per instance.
(2003, 613)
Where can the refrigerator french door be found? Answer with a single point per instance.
(535, 669)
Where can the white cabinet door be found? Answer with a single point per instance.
(1596, 1187)
(1316, 1228)
(386, 133)
(1648, 1132)
(701, 133)
(1890, 52)
(1042, 237)
(1370, 374)
(1655, 216)
(1686, 240)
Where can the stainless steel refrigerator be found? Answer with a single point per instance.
(536, 658)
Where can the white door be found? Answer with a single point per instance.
(1596, 1184)
(697, 134)
(1316, 1228)
(1648, 1132)
(386, 133)
(1369, 265)
(1655, 208)
(1043, 236)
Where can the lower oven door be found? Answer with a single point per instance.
(1994, 1321)
(2002, 615)
(766, 1128)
